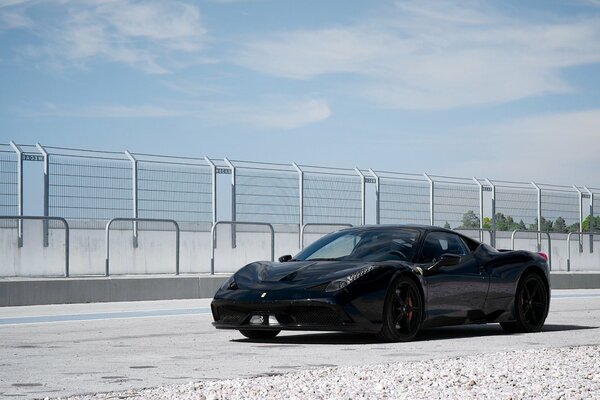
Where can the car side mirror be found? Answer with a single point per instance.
(446, 260)
(285, 258)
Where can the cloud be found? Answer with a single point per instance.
(264, 114)
(154, 36)
(430, 56)
(11, 18)
(8, 3)
(105, 111)
(289, 116)
(270, 115)
(546, 148)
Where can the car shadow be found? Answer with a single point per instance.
(442, 333)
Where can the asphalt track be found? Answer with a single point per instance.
(51, 351)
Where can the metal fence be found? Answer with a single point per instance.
(178, 188)
(87, 185)
(264, 192)
(100, 185)
(402, 198)
(453, 198)
(9, 182)
(332, 195)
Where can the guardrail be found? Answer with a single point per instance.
(39, 218)
(480, 230)
(213, 242)
(512, 240)
(317, 224)
(171, 221)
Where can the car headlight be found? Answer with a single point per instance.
(229, 284)
(339, 284)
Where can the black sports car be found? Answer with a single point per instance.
(387, 280)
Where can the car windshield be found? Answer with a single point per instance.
(364, 245)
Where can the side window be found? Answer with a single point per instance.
(438, 243)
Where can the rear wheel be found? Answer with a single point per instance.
(531, 305)
(402, 312)
(252, 334)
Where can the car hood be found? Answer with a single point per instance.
(297, 271)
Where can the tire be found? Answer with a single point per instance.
(531, 305)
(252, 334)
(402, 311)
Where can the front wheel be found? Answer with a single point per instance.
(531, 306)
(402, 314)
(252, 334)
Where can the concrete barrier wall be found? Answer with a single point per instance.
(22, 291)
(33, 259)
(580, 261)
(155, 253)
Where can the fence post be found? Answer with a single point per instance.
(377, 196)
(19, 152)
(233, 203)
(213, 169)
(493, 242)
(580, 193)
(591, 227)
(46, 190)
(539, 215)
(480, 186)
(301, 201)
(362, 196)
(431, 202)
(134, 188)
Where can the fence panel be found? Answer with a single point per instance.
(403, 198)
(9, 190)
(518, 204)
(595, 192)
(331, 195)
(453, 199)
(266, 192)
(560, 208)
(89, 185)
(176, 188)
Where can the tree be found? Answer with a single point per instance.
(574, 227)
(546, 225)
(470, 220)
(559, 225)
(586, 224)
(487, 223)
(511, 225)
(501, 224)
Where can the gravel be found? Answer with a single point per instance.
(553, 373)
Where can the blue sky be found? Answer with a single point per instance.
(506, 90)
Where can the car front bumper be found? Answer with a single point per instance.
(323, 314)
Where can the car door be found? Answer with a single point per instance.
(455, 294)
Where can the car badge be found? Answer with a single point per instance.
(263, 295)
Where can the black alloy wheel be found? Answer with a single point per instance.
(252, 334)
(531, 305)
(403, 310)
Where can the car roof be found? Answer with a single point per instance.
(424, 228)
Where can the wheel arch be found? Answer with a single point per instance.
(535, 269)
(530, 269)
(412, 276)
